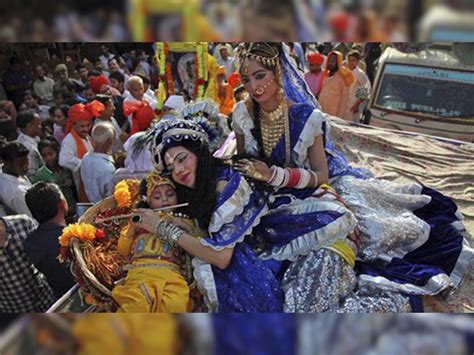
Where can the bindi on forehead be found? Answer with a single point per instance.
(245, 70)
(168, 158)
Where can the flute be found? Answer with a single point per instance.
(137, 218)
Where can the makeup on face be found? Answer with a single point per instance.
(181, 163)
(259, 82)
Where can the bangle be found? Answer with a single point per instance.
(304, 180)
(277, 177)
(286, 177)
(281, 177)
(168, 231)
(294, 177)
(274, 174)
(316, 180)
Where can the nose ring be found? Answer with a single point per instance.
(260, 91)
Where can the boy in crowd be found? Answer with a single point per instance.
(51, 171)
(13, 180)
(49, 207)
(29, 123)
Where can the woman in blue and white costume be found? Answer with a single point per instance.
(411, 236)
(231, 275)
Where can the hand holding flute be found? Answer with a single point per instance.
(137, 215)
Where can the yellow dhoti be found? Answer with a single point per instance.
(152, 288)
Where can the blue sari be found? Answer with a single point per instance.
(412, 236)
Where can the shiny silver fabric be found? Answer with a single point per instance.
(384, 211)
(323, 282)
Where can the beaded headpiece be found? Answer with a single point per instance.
(247, 51)
(174, 133)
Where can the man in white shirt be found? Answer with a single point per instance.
(97, 167)
(222, 54)
(144, 63)
(30, 129)
(149, 93)
(106, 115)
(106, 55)
(13, 180)
(43, 87)
(77, 143)
(360, 91)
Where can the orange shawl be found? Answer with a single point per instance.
(347, 74)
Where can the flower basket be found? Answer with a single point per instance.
(95, 261)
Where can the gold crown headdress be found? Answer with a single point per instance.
(153, 180)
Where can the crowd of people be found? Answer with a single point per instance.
(359, 245)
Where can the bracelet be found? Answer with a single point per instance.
(316, 180)
(274, 174)
(281, 177)
(168, 231)
(294, 177)
(304, 180)
(286, 178)
(277, 177)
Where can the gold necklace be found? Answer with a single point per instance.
(272, 126)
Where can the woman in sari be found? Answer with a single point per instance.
(411, 238)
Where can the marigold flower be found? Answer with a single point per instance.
(81, 231)
(122, 195)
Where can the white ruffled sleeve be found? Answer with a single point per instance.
(313, 128)
(239, 116)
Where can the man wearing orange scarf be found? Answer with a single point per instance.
(225, 93)
(77, 142)
(336, 86)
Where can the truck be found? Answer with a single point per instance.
(428, 91)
